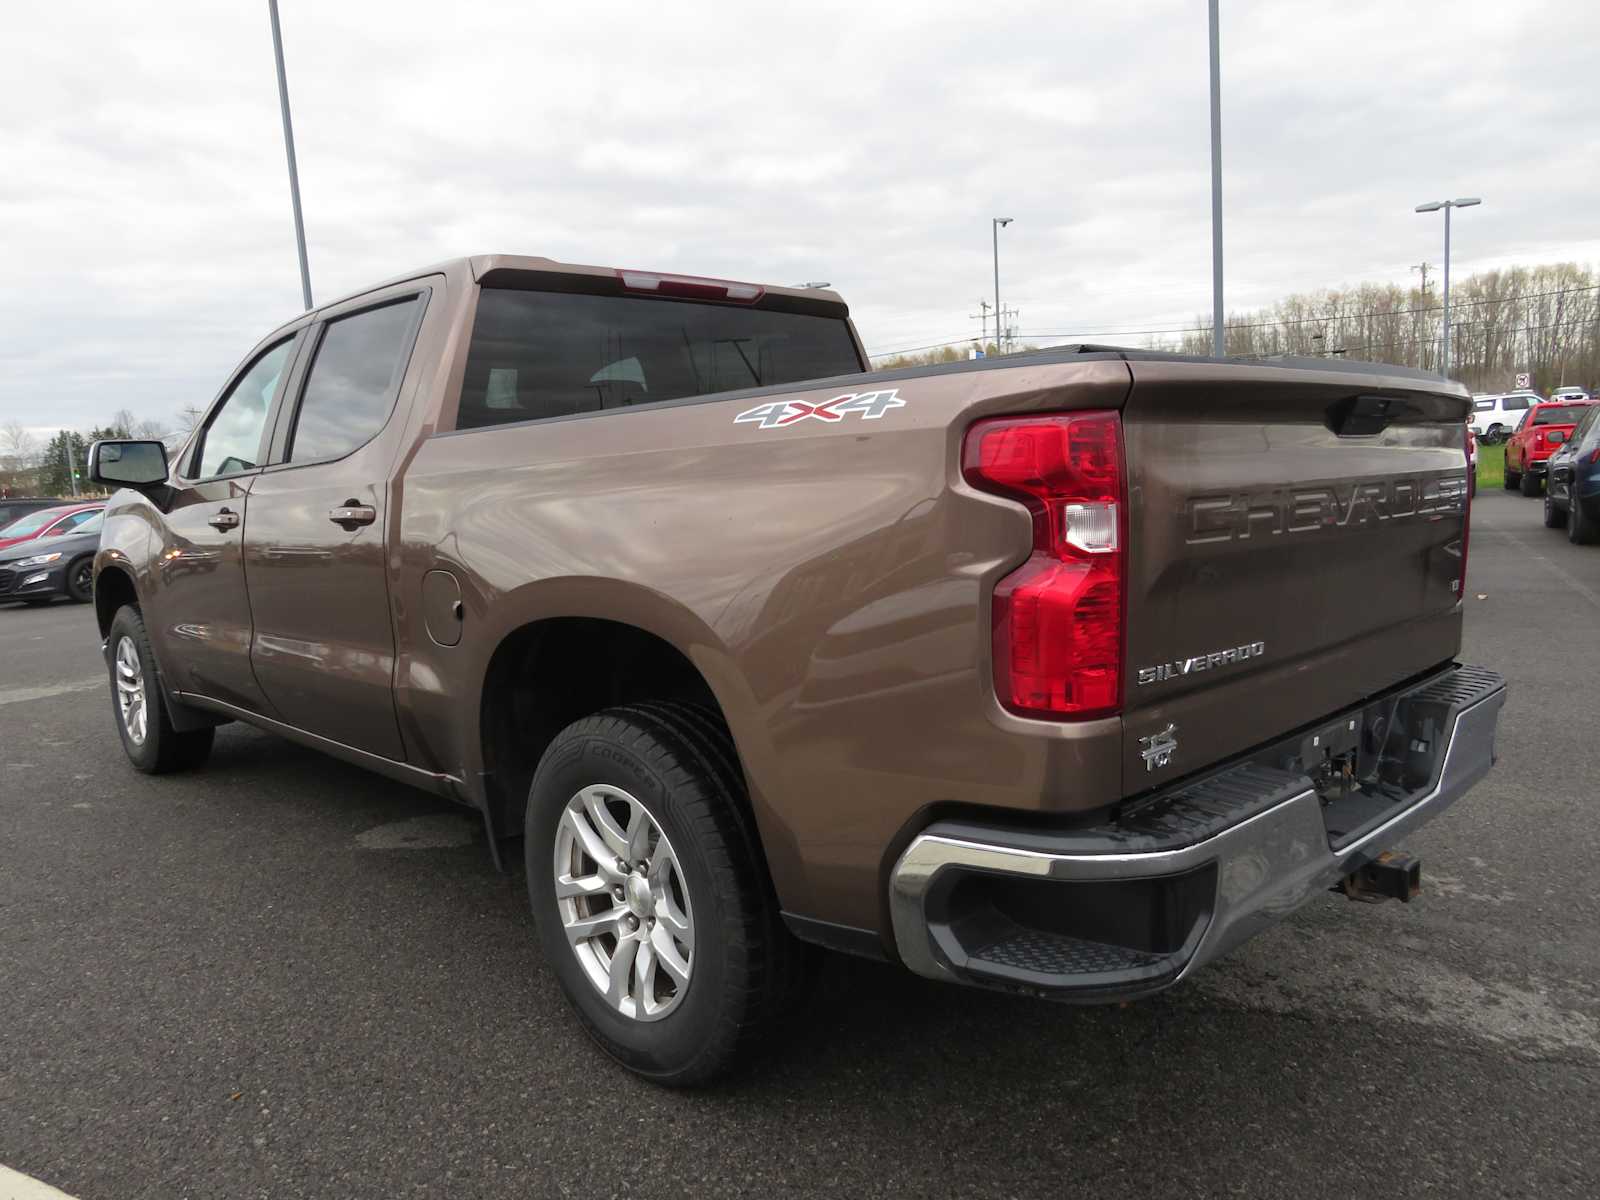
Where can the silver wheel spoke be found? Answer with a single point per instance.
(674, 963)
(674, 922)
(592, 843)
(621, 971)
(582, 885)
(594, 803)
(581, 929)
(644, 980)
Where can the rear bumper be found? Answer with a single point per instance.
(1132, 907)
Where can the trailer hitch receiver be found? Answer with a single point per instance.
(1390, 876)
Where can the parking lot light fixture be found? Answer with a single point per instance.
(1447, 205)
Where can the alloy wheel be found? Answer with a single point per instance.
(132, 702)
(623, 902)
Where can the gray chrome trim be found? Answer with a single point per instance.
(1268, 865)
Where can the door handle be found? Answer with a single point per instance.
(351, 515)
(224, 519)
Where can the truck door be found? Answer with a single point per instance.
(196, 605)
(315, 551)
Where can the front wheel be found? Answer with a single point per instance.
(80, 579)
(650, 895)
(1512, 479)
(1530, 484)
(1554, 517)
(152, 744)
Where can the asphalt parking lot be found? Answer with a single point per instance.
(279, 976)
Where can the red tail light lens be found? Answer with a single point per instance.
(1466, 522)
(1058, 618)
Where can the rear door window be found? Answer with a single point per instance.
(544, 354)
(1516, 403)
(354, 379)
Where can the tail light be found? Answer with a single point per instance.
(1466, 524)
(1594, 456)
(691, 287)
(1058, 618)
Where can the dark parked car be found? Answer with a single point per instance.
(1573, 495)
(39, 571)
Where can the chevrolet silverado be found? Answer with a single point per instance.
(1060, 673)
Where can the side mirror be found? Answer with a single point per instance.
(128, 464)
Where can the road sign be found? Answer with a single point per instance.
(1524, 381)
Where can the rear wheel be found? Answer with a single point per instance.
(1554, 515)
(80, 579)
(1513, 478)
(1582, 528)
(152, 744)
(1493, 434)
(1530, 484)
(650, 895)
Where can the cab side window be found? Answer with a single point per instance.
(354, 379)
(231, 442)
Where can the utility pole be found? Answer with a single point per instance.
(982, 315)
(994, 224)
(72, 465)
(1424, 267)
(288, 146)
(1218, 342)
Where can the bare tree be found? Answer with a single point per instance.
(17, 445)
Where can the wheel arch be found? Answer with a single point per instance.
(607, 643)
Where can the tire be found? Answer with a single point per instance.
(1582, 528)
(734, 980)
(1531, 484)
(1555, 517)
(1493, 434)
(152, 744)
(1513, 478)
(80, 579)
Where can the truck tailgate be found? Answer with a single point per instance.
(1296, 545)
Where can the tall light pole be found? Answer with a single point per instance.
(1218, 343)
(994, 226)
(1447, 205)
(288, 145)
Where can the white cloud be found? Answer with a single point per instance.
(145, 218)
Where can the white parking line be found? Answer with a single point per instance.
(22, 695)
(14, 1185)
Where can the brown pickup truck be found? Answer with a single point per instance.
(1061, 673)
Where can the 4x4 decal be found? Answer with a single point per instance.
(871, 406)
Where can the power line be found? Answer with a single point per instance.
(1322, 320)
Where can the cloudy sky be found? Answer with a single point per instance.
(144, 208)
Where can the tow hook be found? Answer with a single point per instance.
(1390, 876)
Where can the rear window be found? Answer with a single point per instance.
(32, 523)
(546, 354)
(1566, 414)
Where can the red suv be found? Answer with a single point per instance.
(1543, 429)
